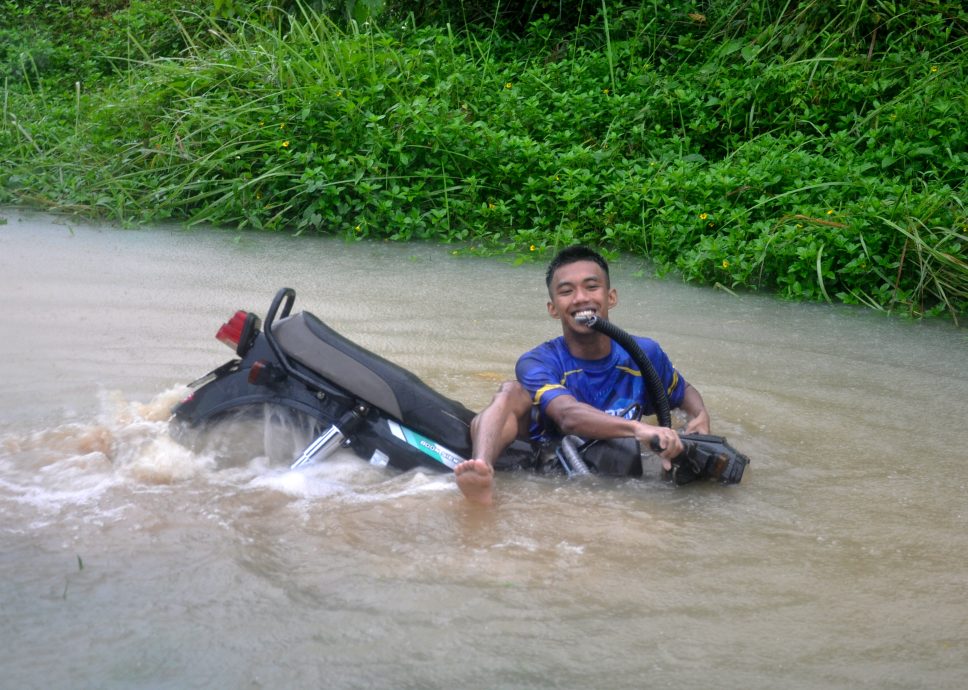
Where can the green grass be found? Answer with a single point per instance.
(815, 150)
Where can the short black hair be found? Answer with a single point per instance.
(570, 255)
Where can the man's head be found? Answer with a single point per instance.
(578, 286)
(570, 255)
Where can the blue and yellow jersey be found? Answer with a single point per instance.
(611, 384)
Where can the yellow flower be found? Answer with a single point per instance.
(285, 144)
(282, 125)
(830, 212)
(934, 68)
(605, 91)
(490, 205)
(507, 85)
(703, 216)
(533, 248)
(339, 94)
(358, 228)
(725, 263)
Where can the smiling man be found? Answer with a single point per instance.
(580, 383)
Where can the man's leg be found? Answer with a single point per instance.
(493, 430)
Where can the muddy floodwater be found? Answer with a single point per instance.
(127, 561)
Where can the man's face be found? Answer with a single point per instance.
(580, 288)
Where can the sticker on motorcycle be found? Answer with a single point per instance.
(438, 452)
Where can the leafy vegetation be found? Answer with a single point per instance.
(815, 149)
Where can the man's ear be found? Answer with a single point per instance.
(612, 298)
(553, 311)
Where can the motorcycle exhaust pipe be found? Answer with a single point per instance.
(330, 440)
(321, 448)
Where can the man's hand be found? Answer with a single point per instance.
(698, 424)
(667, 439)
(693, 406)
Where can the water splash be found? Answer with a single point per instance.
(128, 446)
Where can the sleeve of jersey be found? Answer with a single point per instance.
(674, 383)
(540, 379)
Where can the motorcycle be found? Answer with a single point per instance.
(348, 397)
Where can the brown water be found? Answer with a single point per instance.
(127, 561)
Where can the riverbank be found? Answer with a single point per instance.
(814, 153)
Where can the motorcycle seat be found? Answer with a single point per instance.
(374, 380)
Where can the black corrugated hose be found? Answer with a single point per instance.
(657, 391)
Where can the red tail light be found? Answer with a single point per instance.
(231, 331)
(240, 331)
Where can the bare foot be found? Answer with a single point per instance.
(475, 478)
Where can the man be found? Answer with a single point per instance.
(576, 384)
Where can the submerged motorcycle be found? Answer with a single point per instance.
(295, 365)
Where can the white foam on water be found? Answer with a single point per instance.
(48, 502)
(128, 445)
(350, 479)
(418, 483)
(298, 484)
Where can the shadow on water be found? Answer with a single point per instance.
(130, 560)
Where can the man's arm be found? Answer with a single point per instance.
(573, 417)
(693, 405)
(492, 431)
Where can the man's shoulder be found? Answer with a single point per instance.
(546, 349)
(649, 345)
(546, 359)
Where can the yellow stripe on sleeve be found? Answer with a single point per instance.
(544, 389)
(675, 382)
